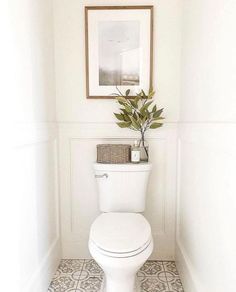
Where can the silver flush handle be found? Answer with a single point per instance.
(101, 175)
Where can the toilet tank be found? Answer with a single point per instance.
(122, 187)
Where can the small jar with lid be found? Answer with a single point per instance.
(135, 152)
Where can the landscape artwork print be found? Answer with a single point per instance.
(118, 49)
(119, 56)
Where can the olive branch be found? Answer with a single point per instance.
(138, 113)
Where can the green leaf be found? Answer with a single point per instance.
(142, 112)
(151, 93)
(144, 119)
(158, 118)
(138, 112)
(139, 95)
(145, 113)
(124, 112)
(128, 108)
(136, 100)
(121, 100)
(134, 123)
(133, 103)
(127, 92)
(150, 89)
(126, 117)
(143, 94)
(150, 96)
(119, 117)
(145, 106)
(155, 125)
(124, 124)
(157, 113)
(121, 103)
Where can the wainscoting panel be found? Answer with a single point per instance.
(79, 202)
(206, 234)
(37, 180)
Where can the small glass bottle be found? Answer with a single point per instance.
(144, 152)
(135, 152)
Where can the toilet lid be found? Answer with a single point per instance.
(120, 232)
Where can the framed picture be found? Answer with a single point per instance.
(119, 49)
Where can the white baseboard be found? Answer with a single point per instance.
(186, 272)
(41, 278)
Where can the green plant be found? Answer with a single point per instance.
(138, 113)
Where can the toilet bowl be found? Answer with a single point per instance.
(120, 243)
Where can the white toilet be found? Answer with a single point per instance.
(120, 238)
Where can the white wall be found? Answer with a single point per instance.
(31, 46)
(206, 235)
(84, 123)
(72, 105)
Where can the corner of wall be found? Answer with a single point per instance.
(185, 271)
(41, 279)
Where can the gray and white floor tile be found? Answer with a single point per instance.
(87, 276)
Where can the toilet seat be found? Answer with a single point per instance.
(120, 235)
(120, 255)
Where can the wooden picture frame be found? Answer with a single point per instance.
(119, 49)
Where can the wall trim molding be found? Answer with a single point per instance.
(110, 131)
(60, 122)
(41, 278)
(28, 134)
(186, 271)
(206, 122)
(183, 264)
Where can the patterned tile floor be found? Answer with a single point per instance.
(87, 276)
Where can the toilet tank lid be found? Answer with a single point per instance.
(146, 166)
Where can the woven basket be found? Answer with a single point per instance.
(113, 153)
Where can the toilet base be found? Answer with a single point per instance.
(120, 273)
(137, 287)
